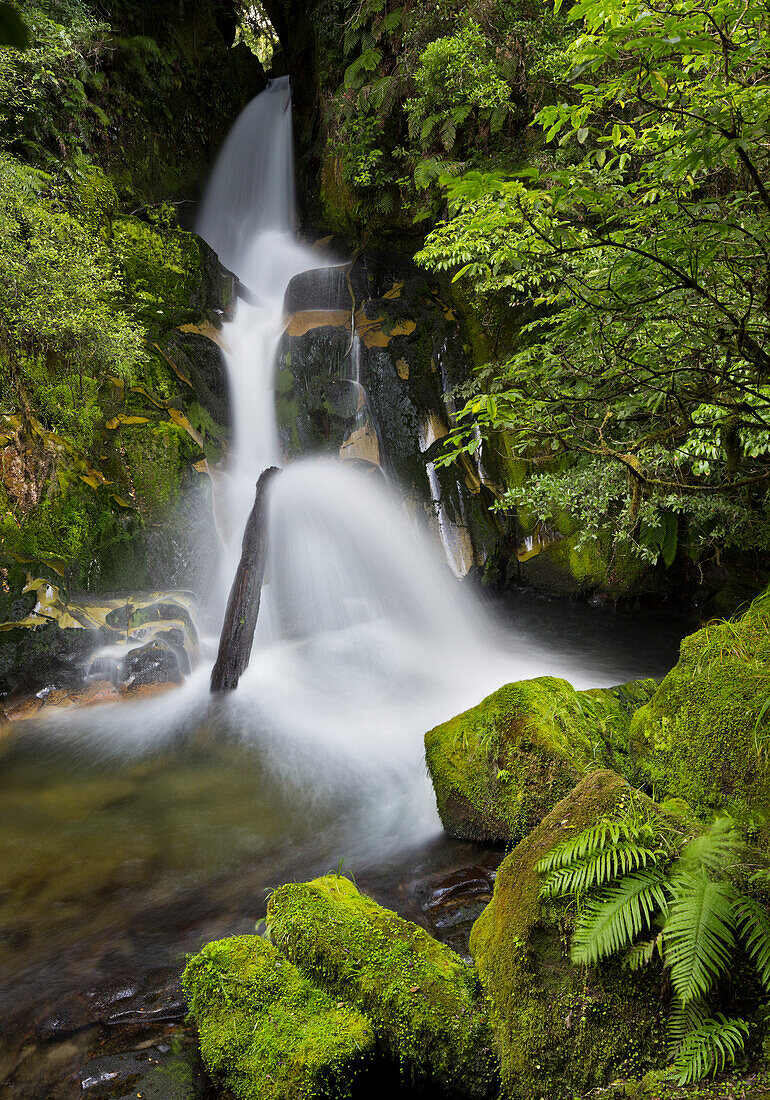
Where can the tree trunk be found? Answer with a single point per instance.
(237, 635)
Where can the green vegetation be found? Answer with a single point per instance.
(501, 766)
(89, 390)
(423, 1000)
(632, 246)
(561, 1030)
(630, 874)
(267, 1032)
(704, 734)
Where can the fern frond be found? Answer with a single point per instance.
(385, 202)
(683, 1020)
(448, 133)
(761, 877)
(598, 869)
(615, 917)
(714, 1045)
(641, 953)
(698, 934)
(428, 126)
(715, 848)
(753, 923)
(590, 842)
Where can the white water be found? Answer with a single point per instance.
(365, 640)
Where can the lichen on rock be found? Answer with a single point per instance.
(560, 1029)
(266, 1031)
(424, 1001)
(499, 767)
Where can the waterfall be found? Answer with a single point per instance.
(341, 551)
(365, 639)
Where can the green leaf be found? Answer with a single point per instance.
(753, 924)
(612, 920)
(698, 934)
(717, 1043)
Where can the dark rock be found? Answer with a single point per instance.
(152, 1074)
(154, 663)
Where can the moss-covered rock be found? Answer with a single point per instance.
(705, 734)
(560, 1029)
(269, 1033)
(499, 767)
(423, 999)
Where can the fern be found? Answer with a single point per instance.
(448, 133)
(709, 1048)
(753, 922)
(596, 870)
(385, 203)
(641, 953)
(716, 848)
(590, 842)
(698, 935)
(683, 1020)
(615, 917)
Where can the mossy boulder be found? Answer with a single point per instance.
(266, 1031)
(560, 1029)
(423, 1000)
(705, 734)
(499, 767)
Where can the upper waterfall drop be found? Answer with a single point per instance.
(251, 190)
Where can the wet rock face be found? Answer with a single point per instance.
(366, 366)
(155, 663)
(455, 902)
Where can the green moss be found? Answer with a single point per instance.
(155, 456)
(560, 1029)
(423, 999)
(161, 270)
(499, 767)
(266, 1031)
(704, 735)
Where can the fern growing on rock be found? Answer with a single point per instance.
(645, 887)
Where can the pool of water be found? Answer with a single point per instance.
(131, 834)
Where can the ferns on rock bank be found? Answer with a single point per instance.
(631, 875)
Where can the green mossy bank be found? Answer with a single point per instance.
(561, 1030)
(500, 767)
(424, 1001)
(266, 1031)
(704, 735)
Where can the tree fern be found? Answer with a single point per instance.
(611, 921)
(715, 1044)
(753, 922)
(698, 935)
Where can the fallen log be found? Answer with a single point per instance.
(237, 635)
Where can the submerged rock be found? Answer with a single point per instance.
(423, 1000)
(266, 1031)
(499, 767)
(560, 1029)
(705, 734)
